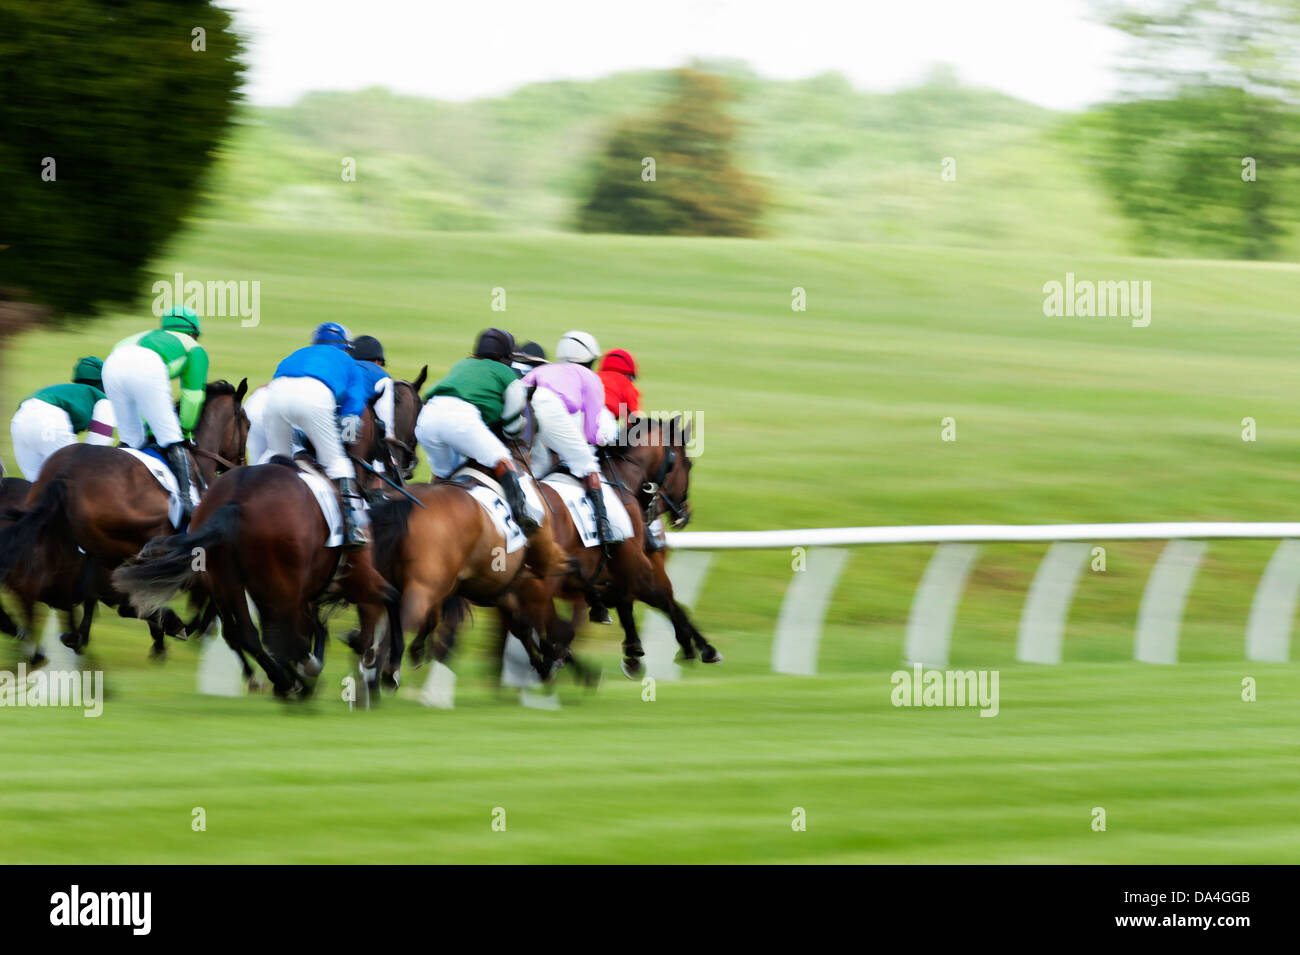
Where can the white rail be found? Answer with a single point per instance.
(1047, 605)
(979, 534)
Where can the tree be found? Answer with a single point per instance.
(672, 172)
(111, 113)
(1202, 153)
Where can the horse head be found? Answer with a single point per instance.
(406, 411)
(657, 451)
(221, 436)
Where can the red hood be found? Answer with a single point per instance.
(616, 359)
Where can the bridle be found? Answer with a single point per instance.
(407, 469)
(653, 491)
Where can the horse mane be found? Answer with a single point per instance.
(215, 389)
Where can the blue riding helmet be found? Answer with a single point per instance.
(332, 333)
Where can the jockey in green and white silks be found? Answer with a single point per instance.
(137, 380)
(461, 411)
(52, 418)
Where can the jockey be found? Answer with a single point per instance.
(54, 416)
(321, 391)
(137, 380)
(528, 357)
(622, 399)
(477, 395)
(368, 351)
(328, 333)
(567, 400)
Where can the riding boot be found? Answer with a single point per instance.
(178, 459)
(354, 535)
(596, 496)
(514, 492)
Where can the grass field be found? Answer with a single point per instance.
(830, 416)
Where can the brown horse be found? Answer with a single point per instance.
(108, 504)
(406, 410)
(263, 539)
(651, 472)
(438, 556)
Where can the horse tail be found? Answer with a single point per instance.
(18, 539)
(388, 524)
(167, 565)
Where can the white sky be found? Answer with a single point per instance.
(1047, 51)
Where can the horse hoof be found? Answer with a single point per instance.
(631, 668)
(158, 654)
(256, 685)
(38, 660)
(633, 650)
(390, 682)
(710, 654)
(70, 641)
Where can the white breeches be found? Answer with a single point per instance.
(451, 431)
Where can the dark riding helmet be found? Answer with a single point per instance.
(368, 348)
(89, 371)
(495, 344)
(534, 351)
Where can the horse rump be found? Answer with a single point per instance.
(19, 538)
(168, 565)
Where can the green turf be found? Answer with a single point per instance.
(826, 417)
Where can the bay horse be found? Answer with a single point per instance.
(406, 411)
(651, 471)
(439, 557)
(263, 539)
(98, 502)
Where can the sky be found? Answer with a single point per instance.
(1049, 52)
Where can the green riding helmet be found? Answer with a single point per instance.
(89, 371)
(181, 319)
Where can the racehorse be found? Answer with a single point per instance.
(406, 410)
(651, 472)
(263, 539)
(438, 557)
(109, 505)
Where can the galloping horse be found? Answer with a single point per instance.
(264, 539)
(651, 472)
(439, 556)
(109, 505)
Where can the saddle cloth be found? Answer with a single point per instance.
(574, 496)
(163, 475)
(322, 488)
(493, 500)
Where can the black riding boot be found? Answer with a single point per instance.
(178, 459)
(518, 503)
(354, 535)
(604, 529)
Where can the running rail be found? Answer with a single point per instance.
(819, 555)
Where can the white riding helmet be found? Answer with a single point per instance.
(577, 346)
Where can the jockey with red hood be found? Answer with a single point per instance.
(622, 398)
